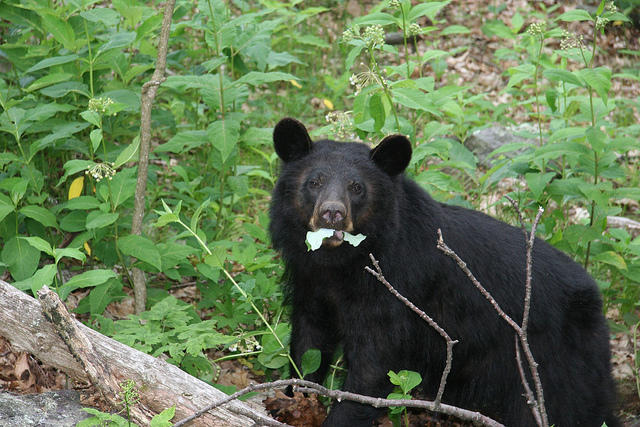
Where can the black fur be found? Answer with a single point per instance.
(335, 302)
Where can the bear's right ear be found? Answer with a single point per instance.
(291, 140)
(392, 154)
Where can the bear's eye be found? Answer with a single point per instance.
(355, 188)
(314, 183)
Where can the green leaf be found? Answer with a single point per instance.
(537, 182)
(69, 253)
(96, 138)
(117, 41)
(429, 9)
(40, 214)
(377, 111)
(415, 99)
(378, 18)
(314, 238)
(406, 380)
(87, 279)
(257, 78)
(83, 202)
(72, 167)
(50, 62)
(163, 418)
(99, 297)
(575, 15)
(129, 154)
(98, 219)
(42, 277)
(6, 206)
(310, 361)
(74, 222)
(596, 138)
(123, 187)
(599, 79)
(560, 75)
(21, 257)
(611, 258)
(61, 31)
(183, 142)
(61, 89)
(109, 17)
(354, 240)
(217, 258)
(142, 248)
(92, 117)
(40, 244)
(224, 136)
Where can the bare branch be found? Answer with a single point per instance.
(310, 387)
(537, 405)
(463, 266)
(443, 381)
(149, 90)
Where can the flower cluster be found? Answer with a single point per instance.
(351, 33)
(394, 4)
(570, 41)
(414, 29)
(610, 7)
(101, 170)
(537, 29)
(365, 78)
(601, 22)
(246, 345)
(341, 125)
(373, 36)
(99, 105)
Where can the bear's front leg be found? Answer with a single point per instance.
(313, 328)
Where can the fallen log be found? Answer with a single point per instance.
(160, 384)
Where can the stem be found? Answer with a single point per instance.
(595, 153)
(404, 39)
(385, 88)
(244, 295)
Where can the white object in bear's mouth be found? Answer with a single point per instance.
(315, 238)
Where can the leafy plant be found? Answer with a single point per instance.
(405, 382)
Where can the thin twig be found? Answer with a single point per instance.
(339, 395)
(537, 405)
(531, 400)
(443, 381)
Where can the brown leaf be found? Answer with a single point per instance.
(297, 410)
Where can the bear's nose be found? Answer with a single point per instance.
(332, 213)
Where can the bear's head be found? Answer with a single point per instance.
(346, 187)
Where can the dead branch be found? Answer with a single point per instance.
(149, 90)
(81, 348)
(377, 402)
(445, 373)
(159, 384)
(537, 405)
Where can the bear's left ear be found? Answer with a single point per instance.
(291, 140)
(393, 154)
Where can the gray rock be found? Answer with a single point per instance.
(52, 409)
(484, 141)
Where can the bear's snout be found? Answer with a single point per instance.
(333, 214)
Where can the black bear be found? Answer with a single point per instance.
(352, 189)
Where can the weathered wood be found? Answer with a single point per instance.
(82, 350)
(160, 384)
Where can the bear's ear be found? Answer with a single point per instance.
(393, 154)
(291, 140)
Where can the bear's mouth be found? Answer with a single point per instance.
(335, 239)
